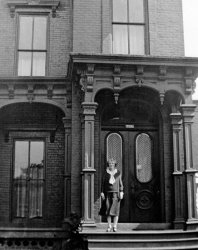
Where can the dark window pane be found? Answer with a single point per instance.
(20, 175)
(120, 39)
(143, 158)
(36, 159)
(39, 59)
(21, 159)
(25, 32)
(24, 63)
(119, 10)
(40, 28)
(137, 42)
(136, 11)
(36, 176)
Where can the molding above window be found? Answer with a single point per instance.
(29, 4)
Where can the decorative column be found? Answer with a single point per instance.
(88, 163)
(190, 171)
(67, 169)
(179, 221)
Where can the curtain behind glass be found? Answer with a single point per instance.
(143, 158)
(137, 46)
(120, 39)
(20, 178)
(36, 179)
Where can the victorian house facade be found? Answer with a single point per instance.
(82, 81)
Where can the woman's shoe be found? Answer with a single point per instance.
(115, 229)
(109, 229)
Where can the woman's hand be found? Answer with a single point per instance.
(102, 196)
(121, 195)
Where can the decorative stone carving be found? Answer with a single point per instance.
(49, 91)
(140, 69)
(162, 96)
(90, 77)
(90, 68)
(117, 69)
(145, 199)
(162, 72)
(116, 96)
(11, 91)
(30, 93)
(189, 81)
(139, 80)
(139, 77)
(50, 4)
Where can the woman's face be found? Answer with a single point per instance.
(111, 166)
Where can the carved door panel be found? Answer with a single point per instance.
(144, 177)
(138, 159)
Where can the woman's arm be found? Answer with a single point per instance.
(121, 187)
(103, 187)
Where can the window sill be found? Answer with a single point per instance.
(29, 4)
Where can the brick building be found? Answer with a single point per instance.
(82, 81)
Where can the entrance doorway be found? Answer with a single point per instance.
(130, 132)
(137, 156)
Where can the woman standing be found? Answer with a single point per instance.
(112, 193)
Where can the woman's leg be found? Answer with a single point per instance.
(109, 223)
(115, 222)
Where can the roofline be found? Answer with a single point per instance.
(134, 60)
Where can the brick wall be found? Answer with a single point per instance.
(166, 28)
(26, 116)
(60, 39)
(93, 30)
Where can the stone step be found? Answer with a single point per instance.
(144, 244)
(152, 248)
(125, 238)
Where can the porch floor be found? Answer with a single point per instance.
(129, 227)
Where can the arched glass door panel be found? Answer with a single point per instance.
(144, 158)
(114, 149)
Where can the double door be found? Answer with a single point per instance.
(137, 156)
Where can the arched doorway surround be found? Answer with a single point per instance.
(130, 133)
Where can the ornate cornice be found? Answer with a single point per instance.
(51, 87)
(110, 59)
(29, 4)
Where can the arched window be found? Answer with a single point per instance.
(144, 158)
(114, 148)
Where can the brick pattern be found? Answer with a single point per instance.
(92, 32)
(60, 40)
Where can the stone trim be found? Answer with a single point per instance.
(29, 4)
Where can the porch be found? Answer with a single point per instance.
(140, 236)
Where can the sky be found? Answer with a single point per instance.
(190, 9)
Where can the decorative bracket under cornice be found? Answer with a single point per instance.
(162, 73)
(49, 4)
(162, 96)
(30, 93)
(116, 82)
(189, 81)
(139, 79)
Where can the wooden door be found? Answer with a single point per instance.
(137, 156)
